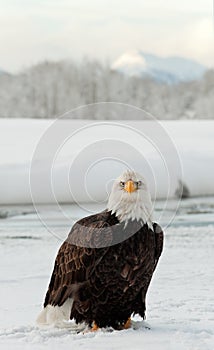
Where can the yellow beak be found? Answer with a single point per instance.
(130, 186)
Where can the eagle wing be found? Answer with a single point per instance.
(159, 237)
(75, 262)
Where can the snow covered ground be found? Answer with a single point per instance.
(66, 156)
(180, 303)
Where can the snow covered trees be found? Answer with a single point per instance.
(49, 89)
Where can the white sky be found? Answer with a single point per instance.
(33, 30)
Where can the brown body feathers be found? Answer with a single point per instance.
(106, 268)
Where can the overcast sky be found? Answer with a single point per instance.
(34, 30)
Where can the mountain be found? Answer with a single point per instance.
(169, 70)
(2, 72)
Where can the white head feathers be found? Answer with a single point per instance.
(130, 198)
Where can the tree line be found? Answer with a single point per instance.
(49, 89)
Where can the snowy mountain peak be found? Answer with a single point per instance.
(2, 72)
(164, 69)
(131, 63)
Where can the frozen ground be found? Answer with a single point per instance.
(180, 303)
(75, 152)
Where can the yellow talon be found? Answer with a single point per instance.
(94, 328)
(128, 323)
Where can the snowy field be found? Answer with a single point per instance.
(180, 303)
(77, 151)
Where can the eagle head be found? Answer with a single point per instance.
(130, 198)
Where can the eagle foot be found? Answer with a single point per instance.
(94, 328)
(128, 324)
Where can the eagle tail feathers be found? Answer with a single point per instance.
(56, 316)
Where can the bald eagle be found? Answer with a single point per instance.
(103, 270)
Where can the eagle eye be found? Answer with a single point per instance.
(122, 184)
(139, 183)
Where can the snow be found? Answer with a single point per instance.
(179, 302)
(64, 157)
(130, 63)
(164, 69)
(180, 299)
